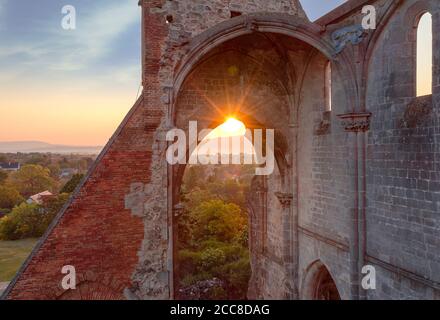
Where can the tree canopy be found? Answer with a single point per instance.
(32, 179)
(9, 197)
(3, 177)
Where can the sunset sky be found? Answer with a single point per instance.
(73, 86)
(67, 86)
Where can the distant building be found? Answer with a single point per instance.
(10, 166)
(40, 197)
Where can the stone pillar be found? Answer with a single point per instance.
(359, 124)
(289, 245)
(257, 225)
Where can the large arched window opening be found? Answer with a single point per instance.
(212, 238)
(424, 55)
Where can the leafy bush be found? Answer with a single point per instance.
(216, 219)
(3, 176)
(189, 261)
(23, 222)
(9, 197)
(212, 257)
(30, 220)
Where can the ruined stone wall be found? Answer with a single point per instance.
(273, 274)
(403, 163)
(274, 219)
(325, 183)
(192, 17)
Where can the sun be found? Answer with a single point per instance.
(230, 128)
(233, 126)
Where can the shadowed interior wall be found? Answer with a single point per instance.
(403, 161)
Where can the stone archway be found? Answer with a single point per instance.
(318, 284)
(262, 73)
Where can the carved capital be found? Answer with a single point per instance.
(285, 199)
(356, 122)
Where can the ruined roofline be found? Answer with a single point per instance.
(342, 11)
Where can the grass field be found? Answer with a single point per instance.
(12, 255)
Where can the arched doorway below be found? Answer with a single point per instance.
(319, 284)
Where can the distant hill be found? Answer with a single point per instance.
(43, 147)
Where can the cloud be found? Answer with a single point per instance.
(71, 50)
(95, 34)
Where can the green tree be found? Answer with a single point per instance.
(32, 179)
(9, 197)
(30, 220)
(217, 220)
(213, 231)
(71, 185)
(55, 171)
(196, 197)
(23, 222)
(37, 159)
(193, 177)
(3, 177)
(229, 191)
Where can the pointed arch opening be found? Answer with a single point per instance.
(318, 284)
(424, 55)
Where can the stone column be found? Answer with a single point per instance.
(289, 245)
(257, 203)
(359, 124)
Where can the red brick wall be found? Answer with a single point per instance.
(96, 234)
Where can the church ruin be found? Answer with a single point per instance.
(357, 179)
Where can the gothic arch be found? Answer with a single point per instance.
(283, 24)
(318, 283)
